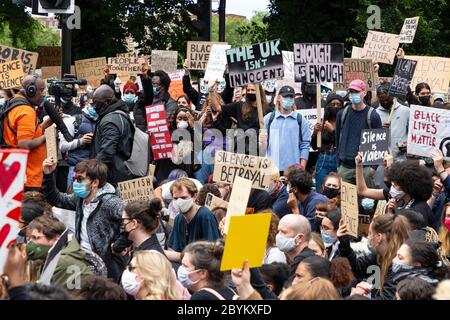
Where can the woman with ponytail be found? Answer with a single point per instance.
(386, 235)
(200, 271)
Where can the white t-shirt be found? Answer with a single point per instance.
(166, 188)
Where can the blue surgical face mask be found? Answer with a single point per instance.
(64, 101)
(80, 190)
(327, 239)
(287, 103)
(2, 102)
(156, 91)
(183, 276)
(285, 244)
(91, 111)
(355, 98)
(129, 98)
(367, 204)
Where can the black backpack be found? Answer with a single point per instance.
(11, 104)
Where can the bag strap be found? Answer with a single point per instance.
(14, 102)
(299, 121)
(369, 117)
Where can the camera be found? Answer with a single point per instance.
(65, 87)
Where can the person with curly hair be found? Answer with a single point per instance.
(411, 187)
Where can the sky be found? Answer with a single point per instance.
(246, 7)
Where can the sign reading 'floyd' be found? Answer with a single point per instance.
(319, 62)
(255, 63)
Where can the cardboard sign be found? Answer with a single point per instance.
(381, 208)
(217, 63)
(356, 52)
(433, 70)
(229, 166)
(13, 165)
(319, 62)
(51, 142)
(269, 85)
(246, 240)
(11, 74)
(409, 30)
(164, 60)
(381, 47)
(349, 207)
(160, 138)
(363, 225)
(91, 70)
(404, 72)
(54, 72)
(137, 189)
(357, 69)
(255, 63)
(28, 59)
(374, 146)
(213, 202)
(126, 64)
(176, 84)
(429, 131)
(288, 65)
(198, 53)
(49, 57)
(240, 193)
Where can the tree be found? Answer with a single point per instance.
(232, 34)
(257, 29)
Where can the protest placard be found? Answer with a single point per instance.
(288, 65)
(349, 207)
(129, 64)
(140, 189)
(91, 69)
(13, 165)
(165, 60)
(429, 131)
(311, 116)
(404, 72)
(217, 63)
(357, 69)
(381, 47)
(363, 225)
(240, 193)
(356, 52)
(432, 70)
(11, 74)
(51, 142)
(269, 85)
(246, 240)
(215, 202)
(199, 52)
(28, 59)
(229, 165)
(255, 63)
(374, 146)
(319, 62)
(409, 30)
(176, 84)
(54, 72)
(381, 208)
(160, 138)
(49, 57)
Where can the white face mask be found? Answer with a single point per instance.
(2, 102)
(130, 283)
(184, 205)
(269, 99)
(285, 244)
(182, 124)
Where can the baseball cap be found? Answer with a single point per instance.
(438, 96)
(357, 85)
(287, 91)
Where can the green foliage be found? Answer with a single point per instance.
(232, 34)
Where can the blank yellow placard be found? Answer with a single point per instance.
(246, 240)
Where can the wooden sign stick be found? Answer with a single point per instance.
(392, 110)
(259, 107)
(319, 114)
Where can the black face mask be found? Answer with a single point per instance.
(387, 104)
(331, 113)
(122, 243)
(425, 100)
(310, 91)
(251, 97)
(330, 193)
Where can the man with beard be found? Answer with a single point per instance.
(114, 134)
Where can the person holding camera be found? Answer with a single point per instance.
(22, 130)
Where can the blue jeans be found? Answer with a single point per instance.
(326, 163)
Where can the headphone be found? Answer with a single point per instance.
(31, 89)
